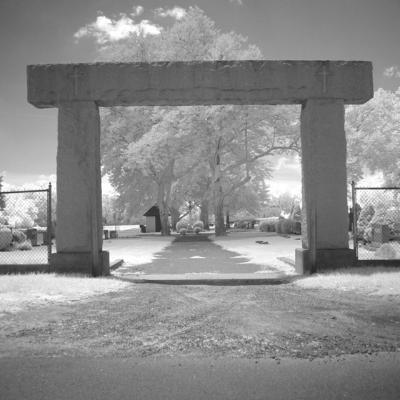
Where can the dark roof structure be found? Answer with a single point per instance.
(152, 212)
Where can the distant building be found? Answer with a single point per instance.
(153, 220)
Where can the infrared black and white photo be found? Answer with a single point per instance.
(199, 199)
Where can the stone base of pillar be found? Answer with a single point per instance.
(80, 263)
(325, 259)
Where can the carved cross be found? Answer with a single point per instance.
(324, 73)
(75, 75)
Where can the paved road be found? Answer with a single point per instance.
(198, 254)
(356, 377)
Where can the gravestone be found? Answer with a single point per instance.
(380, 234)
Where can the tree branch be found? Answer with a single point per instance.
(237, 185)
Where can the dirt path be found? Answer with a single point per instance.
(242, 321)
(196, 254)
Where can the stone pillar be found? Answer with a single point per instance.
(79, 211)
(325, 214)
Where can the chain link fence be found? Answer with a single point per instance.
(376, 223)
(25, 227)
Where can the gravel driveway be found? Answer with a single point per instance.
(240, 321)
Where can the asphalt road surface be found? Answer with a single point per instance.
(177, 378)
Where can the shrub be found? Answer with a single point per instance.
(26, 245)
(181, 224)
(242, 224)
(183, 231)
(268, 225)
(198, 224)
(393, 220)
(279, 226)
(18, 236)
(386, 251)
(5, 238)
(287, 226)
(296, 227)
(364, 219)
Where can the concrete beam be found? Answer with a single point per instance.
(199, 83)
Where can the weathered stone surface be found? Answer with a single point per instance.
(325, 224)
(81, 263)
(324, 259)
(322, 87)
(79, 224)
(205, 83)
(324, 174)
(5, 237)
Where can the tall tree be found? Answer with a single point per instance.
(2, 197)
(219, 146)
(195, 37)
(164, 155)
(373, 135)
(238, 138)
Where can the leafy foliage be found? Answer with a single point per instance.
(373, 136)
(168, 155)
(2, 199)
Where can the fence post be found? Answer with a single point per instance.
(49, 223)
(355, 217)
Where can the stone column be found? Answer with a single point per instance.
(79, 211)
(325, 214)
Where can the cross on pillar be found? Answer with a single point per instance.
(324, 73)
(75, 75)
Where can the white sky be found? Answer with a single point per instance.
(52, 31)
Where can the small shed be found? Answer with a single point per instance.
(153, 220)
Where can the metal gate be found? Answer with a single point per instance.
(375, 218)
(25, 230)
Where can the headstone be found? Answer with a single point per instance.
(5, 238)
(380, 234)
(386, 252)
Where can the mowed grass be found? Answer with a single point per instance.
(19, 291)
(377, 281)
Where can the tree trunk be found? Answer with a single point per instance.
(163, 207)
(228, 224)
(165, 229)
(164, 197)
(218, 195)
(174, 217)
(204, 214)
(220, 229)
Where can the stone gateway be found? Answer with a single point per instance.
(321, 87)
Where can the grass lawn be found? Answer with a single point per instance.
(136, 251)
(275, 251)
(376, 281)
(37, 255)
(19, 291)
(330, 314)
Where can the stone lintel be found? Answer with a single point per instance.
(325, 259)
(199, 83)
(80, 263)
